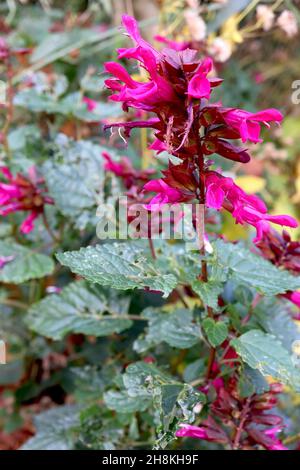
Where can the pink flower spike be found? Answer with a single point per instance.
(248, 124)
(91, 104)
(177, 46)
(199, 86)
(28, 224)
(268, 115)
(6, 172)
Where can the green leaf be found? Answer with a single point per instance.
(216, 331)
(118, 265)
(208, 292)
(146, 384)
(24, 265)
(188, 265)
(194, 370)
(79, 308)
(175, 328)
(265, 353)
(101, 111)
(75, 179)
(274, 316)
(54, 429)
(252, 270)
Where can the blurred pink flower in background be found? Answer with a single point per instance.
(23, 193)
(265, 16)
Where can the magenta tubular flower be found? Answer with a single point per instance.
(282, 251)
(23, 194)
(294, 297)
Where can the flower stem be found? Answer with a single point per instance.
(240, 428)
(49, 230)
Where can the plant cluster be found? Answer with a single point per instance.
(138, 343)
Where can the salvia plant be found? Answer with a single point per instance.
(142, 341)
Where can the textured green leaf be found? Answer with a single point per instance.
(139, 375)
(79, 308)
(54, 429)
(175, 328)
(216, 331)
(118, 265)
(170, 394)
(265, 353)
(18, 138)
(24, 265)
(12, 372)
(254, 271)
(71, 105)
(208, 292)
(147, 385)
(86, 383)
